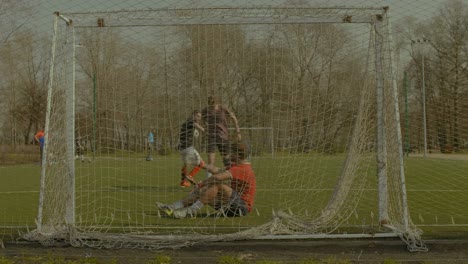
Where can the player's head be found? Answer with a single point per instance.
(213, 100)
(196, 114)
(239, 152)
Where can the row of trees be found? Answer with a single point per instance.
(438, 49)
(294, 80)
(23, 74)
(302, 80)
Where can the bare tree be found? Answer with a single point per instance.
(212, 54)
(10, 19)
(99, 63)
(448, 71)
(124, 77)
(320, 74)
(25, 63)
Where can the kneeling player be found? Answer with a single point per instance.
(235, 199)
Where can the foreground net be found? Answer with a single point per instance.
(313, 90)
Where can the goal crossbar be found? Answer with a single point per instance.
(228, 16)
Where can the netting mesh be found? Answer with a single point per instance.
(310, 78)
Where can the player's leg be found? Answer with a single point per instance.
(149, 156)
(224, 149)
(41, 149)
(81, 153)
(216, 195)
(184, 182)
(188, 206)
(235, 207)
(187, 201)
(184, 156)
(197, 163)
(206, 195)
(211, 150)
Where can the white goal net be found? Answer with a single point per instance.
(313, 90)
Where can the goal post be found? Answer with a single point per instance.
(59, 152)
(315, 87)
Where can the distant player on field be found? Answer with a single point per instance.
(231, 192)
(149, 157)
(189, 155)
(79, 149)
(39, 137)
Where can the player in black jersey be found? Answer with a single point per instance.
(190, 157)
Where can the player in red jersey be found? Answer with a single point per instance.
(234, 199)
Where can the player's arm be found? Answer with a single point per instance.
(198, 127)
(236, 123)
(204, 116)
(214, 170)
(216, 178)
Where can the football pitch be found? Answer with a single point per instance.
(120, 193)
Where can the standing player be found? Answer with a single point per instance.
(189, 155)
(149, 157)
(231, 199)
(39, 137)
(79, 149)
(216, 117)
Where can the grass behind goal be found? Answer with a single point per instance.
(120, 192)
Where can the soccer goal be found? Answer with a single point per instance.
(315, 86)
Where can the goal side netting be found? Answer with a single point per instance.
(314, 93)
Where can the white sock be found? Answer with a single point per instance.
(195, 207)
(177, 205)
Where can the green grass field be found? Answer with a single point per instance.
(120, 191)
